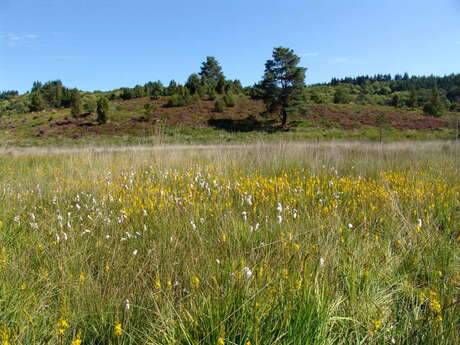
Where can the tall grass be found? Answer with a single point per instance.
(284, 243)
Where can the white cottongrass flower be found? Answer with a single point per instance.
(192, 223)
(64, 234)
(279, 219)
(218, 261)
(126, 304)
(419, 223)
(107, 236)
(87, 231)
(245, 215)
(350, 226)
(145, 213)
(279, 208)
(247, 272)
(135, 252)
(321, 262)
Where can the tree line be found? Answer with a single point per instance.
(282, 89)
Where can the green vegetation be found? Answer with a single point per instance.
(219, 106)
(283, 83)
(75, 103)
(102, 110)
(343, 108)
(288, 243)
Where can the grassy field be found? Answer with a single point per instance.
(256, 244)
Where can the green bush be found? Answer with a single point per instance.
(219, 106)
(212, 95)
(432, 109)
(89, 103)
(176, 100)
(229, 100)
(102, 110)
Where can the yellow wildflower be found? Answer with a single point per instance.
(298, 284)
(377, 324)
(195, 282)
(76, 341)
(220, 341)
(117, 329)
(158, 283)
(62, 326)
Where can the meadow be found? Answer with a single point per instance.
(248, 244)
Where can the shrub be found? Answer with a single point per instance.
(75, 103)
(342, 95)
(176, 100)
(102, 110)
(89, 103)
(432, 110)
(229, 100)
(219, 106)
(212, 95)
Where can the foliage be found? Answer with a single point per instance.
(219, 106)
(53, 93)
(211, 71)
(229, 99)
(342, 95)
(434, 107)
(102, 110)
(193, 83)
(154, 90)
(413, 99)
(89, 103)
(180, 98)
(212, 94)
(396, 101)
(221, 84)
(75, 103)
(283, 83)
(37, 102)
(8, 94)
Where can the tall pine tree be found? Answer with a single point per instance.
(283, 83)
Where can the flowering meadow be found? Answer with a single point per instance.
(290, 243)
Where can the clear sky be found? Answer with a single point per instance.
(102, 44)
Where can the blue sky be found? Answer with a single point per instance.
(102, 44)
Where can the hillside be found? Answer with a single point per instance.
(198, 122)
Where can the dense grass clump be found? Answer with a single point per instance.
(257, 244)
